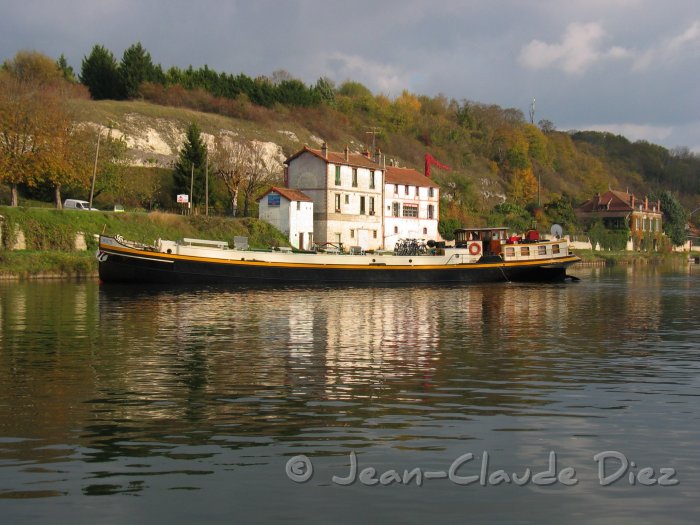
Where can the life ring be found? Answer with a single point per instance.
(475, 248)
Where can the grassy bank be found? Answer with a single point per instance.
(50, 236)
(613, 258)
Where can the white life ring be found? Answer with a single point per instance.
(475, 248)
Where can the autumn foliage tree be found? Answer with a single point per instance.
(36, 126)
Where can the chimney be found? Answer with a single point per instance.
(347, 153)
(632, 199)
(324, 150)
(366, 153)
(658, 206)
(646, 203)
(377, 155)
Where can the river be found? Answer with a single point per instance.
(500, 403)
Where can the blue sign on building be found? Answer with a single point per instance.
(273, 199)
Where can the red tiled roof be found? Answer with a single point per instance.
(336, 157)
(609, 201)
(289, 194)
(407, 176)
(617, 201)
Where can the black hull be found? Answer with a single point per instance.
(119, 268)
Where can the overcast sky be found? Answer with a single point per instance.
(627, 66)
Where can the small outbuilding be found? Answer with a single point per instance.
(291, 212)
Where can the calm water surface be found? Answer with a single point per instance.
(121, 405)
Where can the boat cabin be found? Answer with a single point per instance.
(486, 241)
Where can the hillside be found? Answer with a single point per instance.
(502, 168)
(500, 161)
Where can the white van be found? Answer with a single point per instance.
(75, 204)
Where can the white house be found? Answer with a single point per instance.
(411, 206)
(347, 192)
(291, 212)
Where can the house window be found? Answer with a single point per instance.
(431, 211)
(396, 229)
(362, 205)
(352, 234)
(354, 177)
(406, 189)
(371, 180)
(371, 205)
(425, 231)
(410, 210)
(347, 199)
(431, 192)
(298, 205)
(396, 189)
(396, 211)
(374, 234)
(337, 175)
(337, 202)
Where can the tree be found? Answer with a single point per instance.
(230, 161)
(326, 90)
(675, 217)
(34, 122)
(32, 70)
(262, 171)
(100, 73)
(135, 68)
(561, 211)
(517, 218)
(66, 70)
(192, 160)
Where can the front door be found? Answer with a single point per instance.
(301, 241)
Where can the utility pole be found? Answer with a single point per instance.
(191, 188)
(94, 167)
(532, 112)
(373, 131)
(206, 186)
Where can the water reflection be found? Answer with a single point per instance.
(105, 390)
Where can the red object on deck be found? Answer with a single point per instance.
(532, 235)
(430, 160)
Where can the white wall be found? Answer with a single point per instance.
(290, 220)
(410, 227)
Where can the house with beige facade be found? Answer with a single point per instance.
(346, 189)
(359, 202)
(620, 210)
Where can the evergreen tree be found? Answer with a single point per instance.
(135, 68)
(192, 154)
(100, 73)
(675, 217)
(325, 88)
(66, 69)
